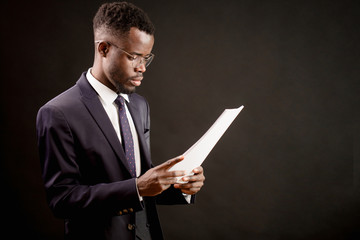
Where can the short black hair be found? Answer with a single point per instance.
(119, 17)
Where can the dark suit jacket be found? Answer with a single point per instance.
(84, 168)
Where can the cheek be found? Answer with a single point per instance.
(117, 71)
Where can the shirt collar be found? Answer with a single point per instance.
(104, 92)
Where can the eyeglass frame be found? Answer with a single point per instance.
(133, 57)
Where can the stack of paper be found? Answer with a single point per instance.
(197, 153)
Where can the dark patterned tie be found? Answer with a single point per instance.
(126, 136)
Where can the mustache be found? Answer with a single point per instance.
(140, 75)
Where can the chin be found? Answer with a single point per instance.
(125, 89)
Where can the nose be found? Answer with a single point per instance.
(141, 68)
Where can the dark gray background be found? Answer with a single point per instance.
(287, 168)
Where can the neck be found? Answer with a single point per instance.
(99, 75)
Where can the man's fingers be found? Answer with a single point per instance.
(198, 170)
(162, 170)
(197, 177)
(190, 191)
(189, 185)
(168, 181)
(189, 188)
(169, 163)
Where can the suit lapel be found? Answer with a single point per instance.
(136, 116)
(93, 104)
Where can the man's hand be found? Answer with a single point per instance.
(158, 179)
(193, 183)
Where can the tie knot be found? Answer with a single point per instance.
(120, 101)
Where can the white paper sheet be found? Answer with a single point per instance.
(197, 153)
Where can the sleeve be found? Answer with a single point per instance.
(67, 196)
(174, 196)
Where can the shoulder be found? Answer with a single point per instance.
(63, 101)
(67, 103)
(139, 101)
(137, 98)
(57, 107)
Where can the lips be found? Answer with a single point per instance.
(136, 81)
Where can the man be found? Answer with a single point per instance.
(94, 140)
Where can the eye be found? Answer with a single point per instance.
(132, 58)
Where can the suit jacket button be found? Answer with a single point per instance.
(131, 226)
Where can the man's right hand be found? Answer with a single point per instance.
(158, 179)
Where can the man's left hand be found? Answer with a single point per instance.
(193, 183)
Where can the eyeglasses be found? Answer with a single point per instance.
(137, 60)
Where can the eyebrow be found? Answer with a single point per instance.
(141, 55)
(135, 53)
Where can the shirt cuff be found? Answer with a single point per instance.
(137, 190)
(187, 197)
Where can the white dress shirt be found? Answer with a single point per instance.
(107, 98)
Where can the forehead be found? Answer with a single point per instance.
(139, 41)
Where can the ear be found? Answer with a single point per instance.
(103, 49)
